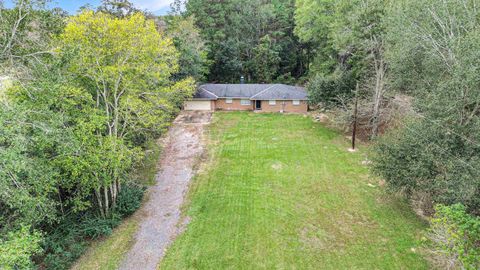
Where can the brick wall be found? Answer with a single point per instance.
(288, 107)
(221, 104)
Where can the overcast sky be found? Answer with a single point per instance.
(159, 7)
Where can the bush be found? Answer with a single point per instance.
(18, 247)
(69, 240)
(424, 158)
(331, 91)
(63, 251)
(96, 227)
(454, 238)
(65, 243)
(129, 200)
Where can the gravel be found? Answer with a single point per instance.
(160, 215)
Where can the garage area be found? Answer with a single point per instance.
(198, 105)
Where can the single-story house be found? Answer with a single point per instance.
(249, 97)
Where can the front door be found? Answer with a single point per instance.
(258, 104)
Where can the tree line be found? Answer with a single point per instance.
(87, 93)
(253, 38)
(427, 50)
(81, 99)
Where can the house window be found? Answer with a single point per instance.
(229, 101)
(245, 102)
(272, 102)
(296, 102)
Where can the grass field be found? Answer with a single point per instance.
(283, 192)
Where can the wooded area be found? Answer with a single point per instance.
(88, 94)
(82, 97)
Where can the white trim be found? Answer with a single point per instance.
(295, 100)
(252, 97)
(272, 102)
(249, 102)
(229, 100)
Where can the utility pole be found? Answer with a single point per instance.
(355, 112)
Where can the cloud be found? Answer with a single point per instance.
(152, 5)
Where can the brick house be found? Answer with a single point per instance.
(249, 97)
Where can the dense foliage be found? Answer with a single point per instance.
(87, 93)
(333, 90)
(454, 237)
(424, 158)
(349, 41)
(427, 49)
(250, 38)
(76, 116)
(193, 60)
(435, 57)
(422, 48)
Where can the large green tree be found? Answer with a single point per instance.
(434, 56)
(126, 64)
(25, 34)
(235, 31)
(349, 39)
(193, 59)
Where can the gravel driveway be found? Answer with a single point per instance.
(161, 213)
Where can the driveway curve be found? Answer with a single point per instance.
(161, 214)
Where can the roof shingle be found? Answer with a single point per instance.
(251, 91)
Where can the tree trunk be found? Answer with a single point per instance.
(99, 200)
(379, 90)
(105, 194)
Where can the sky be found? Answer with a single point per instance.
(158, 7)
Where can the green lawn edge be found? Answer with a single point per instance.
(342, 219)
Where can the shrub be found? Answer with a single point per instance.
(454, 238)
(96, 227)
(331, 91)
(63, 252)
(18, 247)
(69, 240)
(129, 200)
(425, 158)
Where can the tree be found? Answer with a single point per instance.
(313, 23)
(25, 34)
(192, 60)
(367, 38)
(73, 129)
(265, 60)
(118, 8)
(235, 30)
(350, 37)
(435, 57)
(126, 64)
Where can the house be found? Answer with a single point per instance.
(249, 97)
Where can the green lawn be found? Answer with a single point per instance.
(283, 192)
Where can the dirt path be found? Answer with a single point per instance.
(161, 213)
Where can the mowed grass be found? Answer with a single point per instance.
(283, 192)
